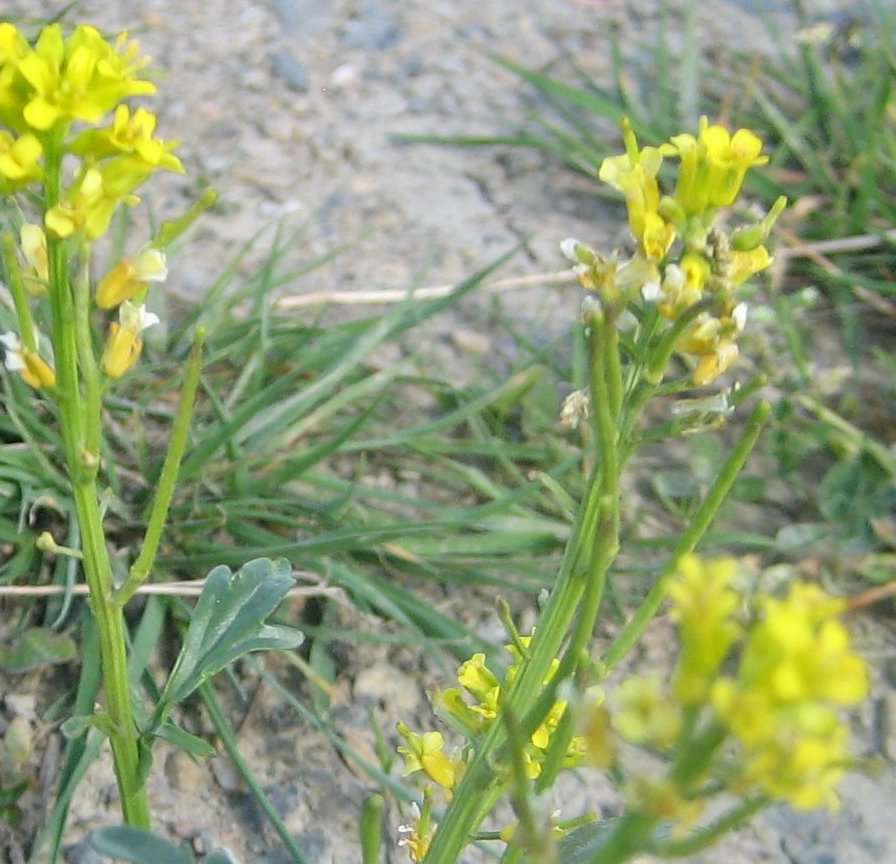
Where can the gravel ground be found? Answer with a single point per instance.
(285, 107)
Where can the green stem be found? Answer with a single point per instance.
(93, 393)
(613, 369)
(630, 835)
(142, 567)
(633, 833)
(228, 739)
(598, 519)
(709, 835)
(633, 630)
(19, 294)
(659, 360)
(96, 564)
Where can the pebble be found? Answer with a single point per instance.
(384, 684)
(21, 705)
(345, 75)
(375, 28)
(290, 70)
(81, 853)
(184, 773)
(472, 341)
(225, 774)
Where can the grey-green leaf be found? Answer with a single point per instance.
(137, 846)
(228, 622)
(38, 646)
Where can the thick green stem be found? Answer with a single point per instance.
(82, 470)
(142, 567)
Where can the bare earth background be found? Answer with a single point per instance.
(285, 107)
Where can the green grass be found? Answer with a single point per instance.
(293, 426)
(825, 108)
(296, 426)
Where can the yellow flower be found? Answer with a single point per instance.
(682, 285)
(13, 89)
(634, 174)
(645, 713)
(34, 247)
(480, 682)
(79, 78)
(728, 158)
(541, 737)
(600, 744)
(796, 669)
(703, 606)
(712, 340)
(743, 265)
(19, 159)
(130, 276)
(426, 753)
(662, 800)
(711, 366)
(130, 134)
(123, 344)
(713, 166)
(89, 204)
(34, 370)
(451, 702)
(13, 46)
(418, 835)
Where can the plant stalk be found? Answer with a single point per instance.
(82, 466)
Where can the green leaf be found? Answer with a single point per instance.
(800, 535)
(192, 744)
(583, 844)
(137, 846)
(76, 726)
(228, 622)
(36, 647)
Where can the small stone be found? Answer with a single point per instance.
(290, 70)
(385, 684)
(81, 853)
(472, 342)
(21, 705)
(225, 854)
(226, 775)
(303, 17)
(375, 28)
(315, 846)
(344, 75)
(285, 797)
(185, 773)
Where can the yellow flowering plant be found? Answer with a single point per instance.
(72, 152)
(752, 709)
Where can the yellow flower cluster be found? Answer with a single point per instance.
(473, 707)
(55, 96)
(476, 703)
(704, 605)
(796, 670)
(683, 258)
